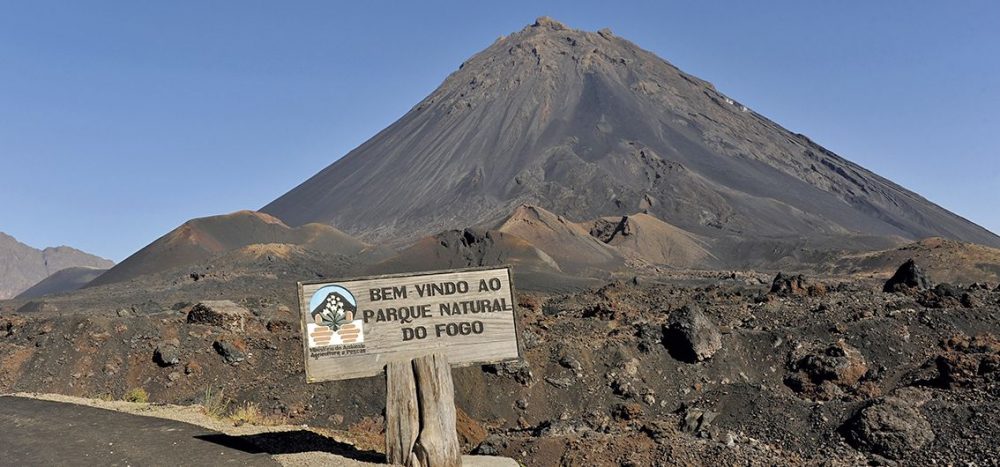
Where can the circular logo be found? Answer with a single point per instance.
(332, 317)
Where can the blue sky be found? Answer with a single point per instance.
(119, 120)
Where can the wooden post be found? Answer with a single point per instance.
(420, 397)
(437, 445)
(402, 418)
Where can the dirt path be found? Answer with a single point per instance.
(37, 432)
(53, 429)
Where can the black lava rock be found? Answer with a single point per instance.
(909, 276)
(690, 336)
(232, 351)
(167, 353)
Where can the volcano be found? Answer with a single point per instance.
(588, 125)
(209, 237)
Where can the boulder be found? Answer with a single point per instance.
(822, 370)
(691, 336)
(892, 426)
(786, 285)
(697, 420)
(221, 313)
(232, 350)
(569, 361)
(167, 353)
(909, 277)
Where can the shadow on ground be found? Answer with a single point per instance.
(291, 442)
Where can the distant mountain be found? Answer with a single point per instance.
(65, 280)
(201, 239)
(588, 125)
(22, 266)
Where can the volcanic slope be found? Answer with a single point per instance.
(534, 268)
(646, 238)
(201, 239)
(22, 266)
(944, 260)
(64, 280)
(467, 248)
(588, 125)
(568, 243)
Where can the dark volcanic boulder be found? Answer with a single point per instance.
(909, 276)
(893, 426)
(232, 350)
(785, 285)
(824, 370)
(167, 353)
(691, 336)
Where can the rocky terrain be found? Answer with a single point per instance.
(22, 266)
(675, 368)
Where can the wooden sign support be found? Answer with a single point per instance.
(420, 413)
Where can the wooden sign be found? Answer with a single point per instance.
(353, 328)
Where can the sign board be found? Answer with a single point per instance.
(352, 328)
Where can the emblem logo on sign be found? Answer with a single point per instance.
(333, 314)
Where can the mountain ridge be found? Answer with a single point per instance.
(61, 281)
(22, 266)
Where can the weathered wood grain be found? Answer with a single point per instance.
(437, 445)
(402, 416)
